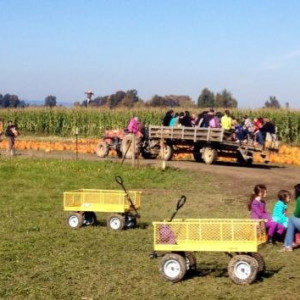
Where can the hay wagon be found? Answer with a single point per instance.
(206, 144)
(176, 241)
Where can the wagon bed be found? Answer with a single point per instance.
(226, 235)
(196, 135)
(100, 200)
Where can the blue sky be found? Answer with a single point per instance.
(64, 47)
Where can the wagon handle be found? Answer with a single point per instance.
(180, 203)
(120, 181)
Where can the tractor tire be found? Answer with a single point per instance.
(89, 218)
(75, 220)
(148, 155)
(197, 154)
(209, 155)
(102, 149)
(168, 152)
(191, 261)
(173, 267)
(242, 269)
(260, 261)
(116, 222)
(127, 148)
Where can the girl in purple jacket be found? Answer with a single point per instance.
(257, 208)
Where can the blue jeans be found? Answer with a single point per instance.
(294, 224)
(260, 138)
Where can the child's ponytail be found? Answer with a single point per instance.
(258, 189)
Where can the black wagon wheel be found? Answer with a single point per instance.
(75, 220)
(260, 261)
(173, 267)
(89, 218)
(242, 269)
(191, 261)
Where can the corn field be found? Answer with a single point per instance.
(92, 122)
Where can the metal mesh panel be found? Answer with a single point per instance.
(208, 231)
(100, 198)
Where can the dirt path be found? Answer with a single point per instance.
(232, 177)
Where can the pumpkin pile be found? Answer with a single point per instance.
(286, 155)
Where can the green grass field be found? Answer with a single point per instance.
(41, 258)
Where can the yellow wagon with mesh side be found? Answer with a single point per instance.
(239, 238)
(84, 203)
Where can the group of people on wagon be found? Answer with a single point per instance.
(256, 130)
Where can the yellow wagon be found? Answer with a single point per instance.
(82, 205)
(175, 241)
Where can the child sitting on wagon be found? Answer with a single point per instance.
(280, 208)
(257, 208)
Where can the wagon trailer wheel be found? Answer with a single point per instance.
(209, 155)
(75, 220)
(116, 222)
(102, 149)
(173, 267)
(167, 152)
(242, 269)
(260, 261)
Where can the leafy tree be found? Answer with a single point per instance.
(6, 100)
(206, 98)
(225, 99)
(272, 102)
(14, 101)
(1, 99)
(130, 98)
(50, 101)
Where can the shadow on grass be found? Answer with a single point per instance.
(141, 225)
(253, 166)
(222, 272)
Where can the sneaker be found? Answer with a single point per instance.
(287, 249)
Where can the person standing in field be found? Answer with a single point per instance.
(1, 129)
(11, 134)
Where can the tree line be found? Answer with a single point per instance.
(130, 98)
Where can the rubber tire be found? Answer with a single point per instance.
(148, 155)
(253, 265)
(102, 149)
(133, 220)
(182, 262)
(79, 217)
(125, 143)
(191, 261)
(260, 261)
(209, 155)
(119, 217)
(168, 153)
(197, 154)
(89, 215)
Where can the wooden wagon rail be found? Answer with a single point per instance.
(187, 133)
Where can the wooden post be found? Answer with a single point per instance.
(162, 149)
(76, 134)
(133, 153)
